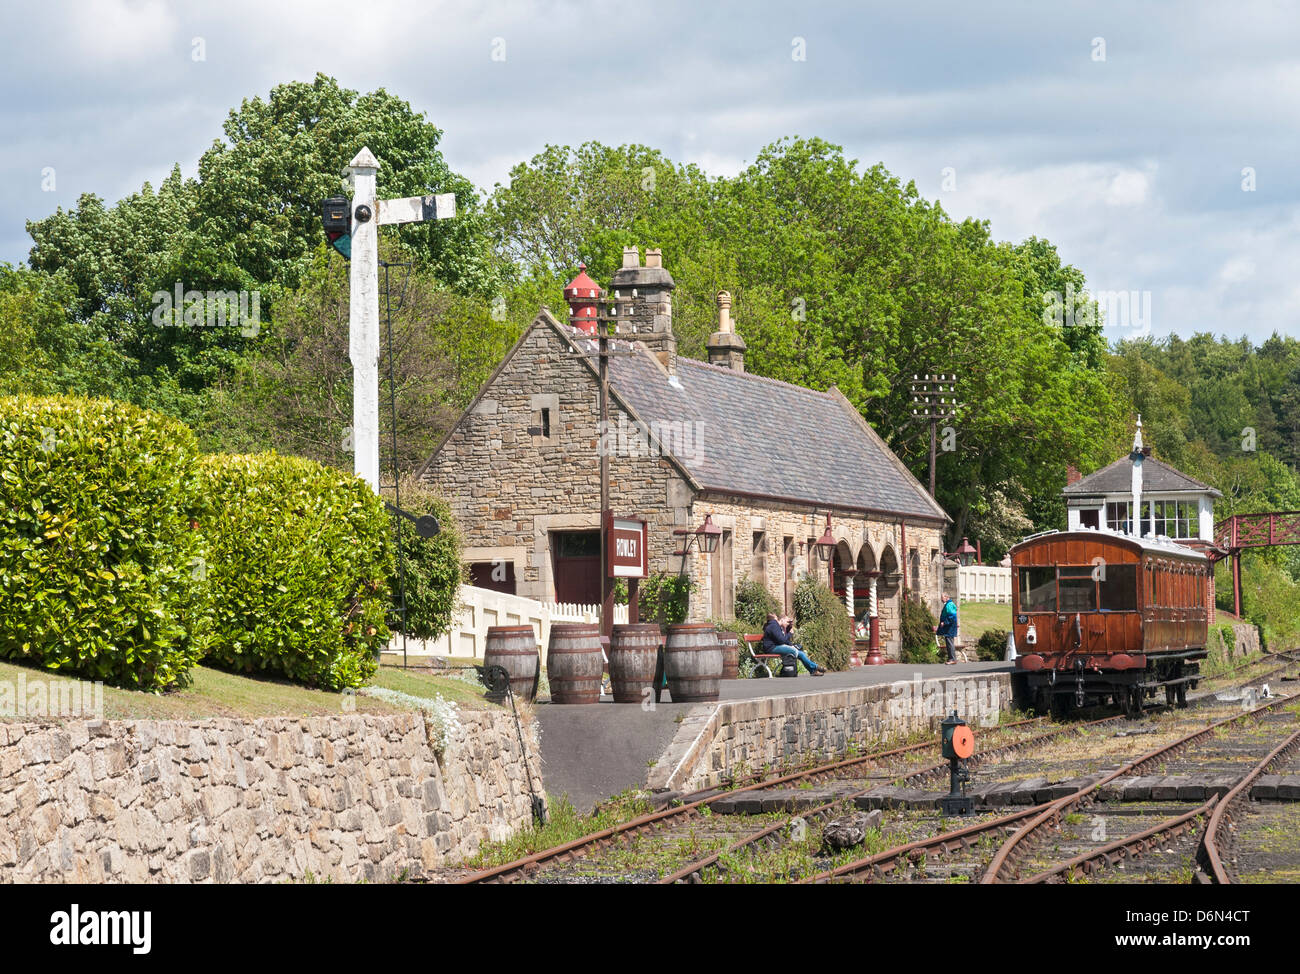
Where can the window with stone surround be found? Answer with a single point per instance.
(544, 420)
(758, 559)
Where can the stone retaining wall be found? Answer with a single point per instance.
(716, 741)
(344, 798)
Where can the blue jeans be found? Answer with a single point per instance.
(798, 653)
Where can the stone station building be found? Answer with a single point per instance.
(766, 461)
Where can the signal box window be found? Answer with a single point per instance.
(1118, 515)
(1038, 590)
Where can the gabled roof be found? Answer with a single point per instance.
(756, 436)
(765, 438)
(1157, 478)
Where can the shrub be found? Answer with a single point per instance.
(992, 646)
(822, 624)
(299, 566)
(99, 567)
(737, 626)
(665, 598)
(433, 567)
(753, 603)
(917, 633)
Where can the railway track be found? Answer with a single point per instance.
(776, 833)
(1208, 819)
(1018, 826)
(689, 816)
(693, 807)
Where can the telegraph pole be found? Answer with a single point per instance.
(934, 397)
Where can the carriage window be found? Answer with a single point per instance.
(1037, 590)
(1078, 589)
(1119, 588)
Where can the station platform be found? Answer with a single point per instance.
(593, 751)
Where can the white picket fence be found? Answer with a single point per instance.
(482, 608)
(984, 583)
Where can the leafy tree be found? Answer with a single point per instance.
(250, 222)
(845, 277)
(293, 393)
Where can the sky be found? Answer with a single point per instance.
(1154, 143)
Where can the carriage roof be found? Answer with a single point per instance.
(1159, 545)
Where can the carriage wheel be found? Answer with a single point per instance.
(1182, 696)
(1133, 703)
(1171, 694)
(1061, 705)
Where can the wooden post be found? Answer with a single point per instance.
(363, 298)
(606, 588)
(1236, 583)
(363, 320)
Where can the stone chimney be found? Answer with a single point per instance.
(644, 300)
(726, 348)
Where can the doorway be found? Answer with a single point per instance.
(575, 559)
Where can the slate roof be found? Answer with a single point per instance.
(762, 437)
(1157, 478)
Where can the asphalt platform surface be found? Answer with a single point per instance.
(593, 751)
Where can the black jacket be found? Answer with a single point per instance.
(774, 634)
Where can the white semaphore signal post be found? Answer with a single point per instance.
(368, 213)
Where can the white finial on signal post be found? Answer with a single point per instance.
(363, 318)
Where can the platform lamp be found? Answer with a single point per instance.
(705, 537)
(826, 543)
(964, 555)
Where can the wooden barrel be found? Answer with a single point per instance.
(574, 662)
(633, 652)
(692, 662)
(729, 641)
(515, 649)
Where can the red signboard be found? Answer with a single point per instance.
(626, 555)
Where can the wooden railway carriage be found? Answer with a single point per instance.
(1104, 616)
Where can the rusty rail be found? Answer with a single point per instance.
(1217, 871)
(508, 872)
(1015, 845)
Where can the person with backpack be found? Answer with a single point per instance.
(948, 629)
(777, 639)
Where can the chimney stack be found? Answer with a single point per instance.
(1072, 475)
(726, 348)
(583, 295)
(644, 299)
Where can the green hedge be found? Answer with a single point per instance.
(753, 603)
(300, 560)
(433, 566)
(992, 646)
(822, 624)
(917, 633)
(100, 569)
(665, 598)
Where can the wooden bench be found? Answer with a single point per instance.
(763, 661)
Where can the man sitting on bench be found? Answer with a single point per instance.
(777, 639)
